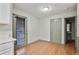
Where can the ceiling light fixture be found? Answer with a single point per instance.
(45, 8)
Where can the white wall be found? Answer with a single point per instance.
(77, 40)
(45, 25)
(78, 19)
(44, 29)
(32, 25)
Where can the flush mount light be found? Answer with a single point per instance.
(45, 8)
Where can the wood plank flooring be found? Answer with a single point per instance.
(46, 48)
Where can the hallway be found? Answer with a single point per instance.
(46, 48)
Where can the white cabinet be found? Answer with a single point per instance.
(7, 48)
(4, 13)
(6, 41)
(8, 52)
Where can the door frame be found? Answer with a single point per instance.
(65, 28)
(26, 32)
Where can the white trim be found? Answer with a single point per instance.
(63, 31)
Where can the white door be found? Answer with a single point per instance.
(56, 30)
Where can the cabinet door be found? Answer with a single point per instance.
(9, 51)
(4, 13)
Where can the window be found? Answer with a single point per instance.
(68, 27)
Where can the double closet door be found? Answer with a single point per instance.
(56, 30)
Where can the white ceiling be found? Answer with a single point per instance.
(34, 8)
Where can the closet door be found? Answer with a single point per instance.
(56, 30)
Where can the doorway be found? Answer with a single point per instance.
(70, 30)
(19, 31)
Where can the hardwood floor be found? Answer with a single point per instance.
(46, 48)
